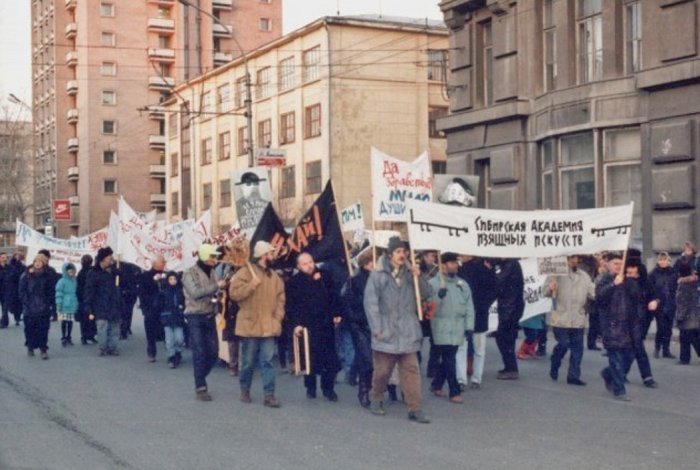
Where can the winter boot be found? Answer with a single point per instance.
(363, 387)
(524, 351)
(532, 350)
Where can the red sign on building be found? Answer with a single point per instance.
(61, 209)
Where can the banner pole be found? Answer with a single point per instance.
(342, 236)
(624, 253)
(416, 287)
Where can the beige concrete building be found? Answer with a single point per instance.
(569, 104)
(324, 94)
(101, 68)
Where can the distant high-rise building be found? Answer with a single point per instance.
(100, 70)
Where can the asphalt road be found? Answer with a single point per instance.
(79, 411)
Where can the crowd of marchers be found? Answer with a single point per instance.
(370, 323)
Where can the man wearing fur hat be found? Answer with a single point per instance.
(390, 304)
(200, 283)
(260, 294)
(102, 300)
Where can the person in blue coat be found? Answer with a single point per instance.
(67, 301)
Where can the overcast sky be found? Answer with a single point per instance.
(15, 37)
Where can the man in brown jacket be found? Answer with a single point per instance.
(259, 292)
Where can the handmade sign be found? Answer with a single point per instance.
(252, 193)
(517, 234)
(456, 190)
(556, 266)
(394, 182)
(352, 218)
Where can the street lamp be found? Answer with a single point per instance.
(248, 97)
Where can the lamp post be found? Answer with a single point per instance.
(248, 97)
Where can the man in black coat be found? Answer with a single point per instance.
(129, 277)
(88, 326)
(482, 282)
(148, 296)
(312, 303)
(4, 317)
(55, 275)
(664, 281)
(102, 300)
(10, 288)
(511, 305)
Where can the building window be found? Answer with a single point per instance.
(106, 9)
(288, 182)
(109, 127)
(633, 40)
(174, 203)
(265, 133)
(550, 46)
(172, 126)
(548, 164)
(207, 106)
(241, 147)
(224, 146)
(487, 39)
(590, 41)
(311, 60)
(174, 165)
(439, 168)
(313, 178)
(437, 64)
(206, 151)
(286, 74)
(164, 69)
(434, 113)
(206, 196)
(312, 121)
(225, 193)
(240, 93)
(223, 98)
(108, 69)
(287, 128)
(109, 186)
(265, 24)
(163, 12)
(108, 39)
(109, 97)
(109, 157)
(262, 87)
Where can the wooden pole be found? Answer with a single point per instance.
(416, 286)
(374, 242)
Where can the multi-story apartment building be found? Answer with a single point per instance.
(325, 94)
(569, 104)
(101, 68)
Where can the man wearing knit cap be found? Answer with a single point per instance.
(390, 304)
(200, 284)
(102, 300)
(259, 292)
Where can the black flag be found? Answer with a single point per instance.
(318, 232)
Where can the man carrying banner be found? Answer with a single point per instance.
(390, 304)
(259, 292)
(570, 294)
(511, 305)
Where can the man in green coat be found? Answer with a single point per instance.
(454, 316)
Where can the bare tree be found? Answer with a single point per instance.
(16, 176)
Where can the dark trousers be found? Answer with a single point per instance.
(593, 328)
(689, 338)
(284, 342)
(568, 339)
(506, 334)
(327, 382)
(4, 317)
(153, 327)
(205, 347)
(36, 332)
(531, 335)
(640, 354)
(88, 328)
(127, 314)
(664, 330)
(446, 368)
(619, 361)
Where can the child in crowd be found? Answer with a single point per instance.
(171, 306)
(67, 302)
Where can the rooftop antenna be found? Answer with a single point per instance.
(337, 7)
(380, 8)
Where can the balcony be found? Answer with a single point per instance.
(72, 115)
(221, 58)
(161, 83)
(74, 200)
(72, 87)
(73, 173)
(161, 25)
(72, 144)
(156, 112)
(161, 55)
(157, 171)
(71, 4)
(163, 2)
(222, 4)
(156, 142)
(72, 58)
(157, 200)
(222, 31)
(71, 30)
